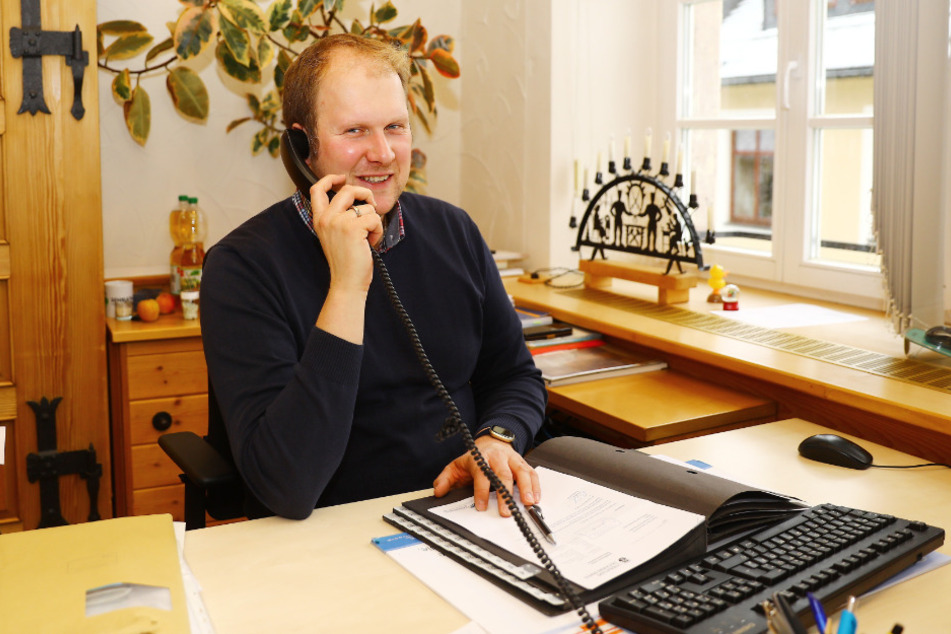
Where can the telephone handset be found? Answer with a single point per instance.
(295, 147)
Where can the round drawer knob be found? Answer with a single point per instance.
(162, 421)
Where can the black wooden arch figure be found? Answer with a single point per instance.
(639, 213)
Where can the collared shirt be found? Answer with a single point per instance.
(393, 232)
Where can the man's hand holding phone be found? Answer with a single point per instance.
(344, 221)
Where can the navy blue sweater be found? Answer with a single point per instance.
(314, 420)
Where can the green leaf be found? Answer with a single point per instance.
(265, 52)
(274, 146)
(250, 74)
(188, 93)
(278, 15)
(356, 28)
(429, 93)
(158, 49)
(237, 40)
(122, 86)
(245, 14)
(283, 63)
(128, 46)
(195, 29)
(307, 7)
(138, 115)
(193, 3)
(445, 63)
(271, 103)
(440, 42)
(417, 174)
(258, 141)
(296, 30)
(333, 5)
(234, 124)
(385, 14)
(121, 27)
(254, 104)
(100, 49)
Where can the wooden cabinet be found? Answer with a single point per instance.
(157, 384)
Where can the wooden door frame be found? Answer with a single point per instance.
(52, 212)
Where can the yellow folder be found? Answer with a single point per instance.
(70, 578)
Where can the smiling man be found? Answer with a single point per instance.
(313, 375)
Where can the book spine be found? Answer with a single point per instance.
(574, 345)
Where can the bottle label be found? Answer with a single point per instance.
(190, 277)
(175, 280)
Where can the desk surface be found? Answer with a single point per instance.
(324, 574)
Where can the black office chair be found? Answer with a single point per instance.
(212, 483)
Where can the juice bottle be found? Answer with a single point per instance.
(175, 259)
(191, 229)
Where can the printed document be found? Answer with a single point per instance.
(601, 533)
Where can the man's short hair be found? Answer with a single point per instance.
(303, 77)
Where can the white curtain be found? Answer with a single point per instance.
(911, 56)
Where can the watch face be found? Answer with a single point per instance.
(502, 434)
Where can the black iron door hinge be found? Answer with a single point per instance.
(31, 42)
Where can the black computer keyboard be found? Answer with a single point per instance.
(831, 551)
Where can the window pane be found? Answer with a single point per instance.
(733, 187)
(730, 43)
(843, 231)
(847, 58)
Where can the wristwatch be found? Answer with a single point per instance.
(501, 433)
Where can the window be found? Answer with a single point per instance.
(773, 104)
(751, 200)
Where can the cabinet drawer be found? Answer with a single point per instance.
(151, 467)
(167, 499)
(168, 374)
(188, 413)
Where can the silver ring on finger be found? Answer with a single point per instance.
(357, 212)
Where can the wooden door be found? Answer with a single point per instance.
(52, 318)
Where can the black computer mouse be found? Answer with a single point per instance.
(939, 336)
(835, 450)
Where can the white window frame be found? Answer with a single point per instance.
(788, 267)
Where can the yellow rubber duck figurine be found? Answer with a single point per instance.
(716, 282)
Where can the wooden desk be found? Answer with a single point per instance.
(651, 407)
(323, 573)
(897, 413)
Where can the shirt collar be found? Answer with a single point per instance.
(393, 232)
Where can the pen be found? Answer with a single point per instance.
(536, 514)
(817, 612)
(785, 619)
(847, 622)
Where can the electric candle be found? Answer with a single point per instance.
(680, 159)
(576, 177)
(666, 148)
(647, 143)
(627, 146)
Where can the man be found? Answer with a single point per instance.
(323, 399)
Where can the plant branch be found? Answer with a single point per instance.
(148, 69)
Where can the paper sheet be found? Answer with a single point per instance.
(789, 316)
(3, 443)
(471, 594)
(601, 533)
(198, 617)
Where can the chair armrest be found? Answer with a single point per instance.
(198, 459)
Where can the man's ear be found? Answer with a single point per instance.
(312, 151)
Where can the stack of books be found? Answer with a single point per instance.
(573, 365)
